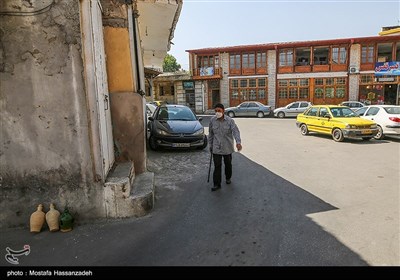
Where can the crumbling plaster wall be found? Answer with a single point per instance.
(45, 151)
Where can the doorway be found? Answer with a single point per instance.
(215, 97)
(390, 94)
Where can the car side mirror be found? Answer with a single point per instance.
(200, 119)
(151, 119)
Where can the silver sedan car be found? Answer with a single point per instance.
(292, 109)
(249, 109)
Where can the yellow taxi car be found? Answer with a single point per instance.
(339, 121)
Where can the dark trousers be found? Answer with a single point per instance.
(218, 168)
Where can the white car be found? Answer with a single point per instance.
(150, 109)
(387, 117)
(353, 105)
(292, 109)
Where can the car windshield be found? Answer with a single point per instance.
(176, 114)
(342, 112)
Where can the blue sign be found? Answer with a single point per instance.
(391, 68)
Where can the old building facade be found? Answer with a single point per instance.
(72, 77)
(322, 72)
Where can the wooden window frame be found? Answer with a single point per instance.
(370, 54)
(261, 62)
(235, 67)
(248, 63)
(236, 94)
(285, 86)
(285, 65)
(334, 86)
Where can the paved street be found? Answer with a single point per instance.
(294, 200)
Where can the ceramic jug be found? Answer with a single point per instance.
(37, 219)
(66, 221)
(53, 218)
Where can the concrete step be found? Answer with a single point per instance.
(127, 195)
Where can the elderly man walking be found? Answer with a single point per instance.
(222, 131)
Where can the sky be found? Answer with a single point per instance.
(214, 23)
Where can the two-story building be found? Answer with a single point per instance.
(322, 72)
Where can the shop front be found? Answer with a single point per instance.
(379, 89)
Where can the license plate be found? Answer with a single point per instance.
(367, 131)
(180, 145)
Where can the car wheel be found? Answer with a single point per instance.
(303, 129)
(153, 143)
(379, 135)
(337, 135)
(204, 145)
(281, 115)
(231, 114)
(260, 115)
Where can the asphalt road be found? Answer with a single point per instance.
(294, 200)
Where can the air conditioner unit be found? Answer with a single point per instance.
(353, 70)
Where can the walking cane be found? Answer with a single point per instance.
(209, 168)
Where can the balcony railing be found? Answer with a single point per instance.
(207, 73)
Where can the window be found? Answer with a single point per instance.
(330, 87)
(293, 88)
(206, 65)
(398, 51)
(321, 55)
(248, 89)
(286, 57)
(248, 60)
(384, 52)
(367, 53)
(372, 111)
(339, 55)
(294, 105)
(234, 83)
(323, 112)
(303, 56)
(234, 63)
(261, 59)
(312, 112)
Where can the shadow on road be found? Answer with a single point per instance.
(259, 220)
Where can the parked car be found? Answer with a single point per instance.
(158, 102)
(249, 109)
(353, 105)
(176, 126)
(339, 121)
(387, 117)
(150, 109)
(292, 109)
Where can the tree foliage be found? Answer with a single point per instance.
(170, 64)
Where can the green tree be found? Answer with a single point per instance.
(170, 64)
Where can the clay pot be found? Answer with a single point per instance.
(53, 218)
(37, 219)
(66, 221)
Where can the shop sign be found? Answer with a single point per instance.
(188, 85)
(391, 68)
(386, 79)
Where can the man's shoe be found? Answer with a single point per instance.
(215, 188)
(228, 181)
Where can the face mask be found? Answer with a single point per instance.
(218, 114)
